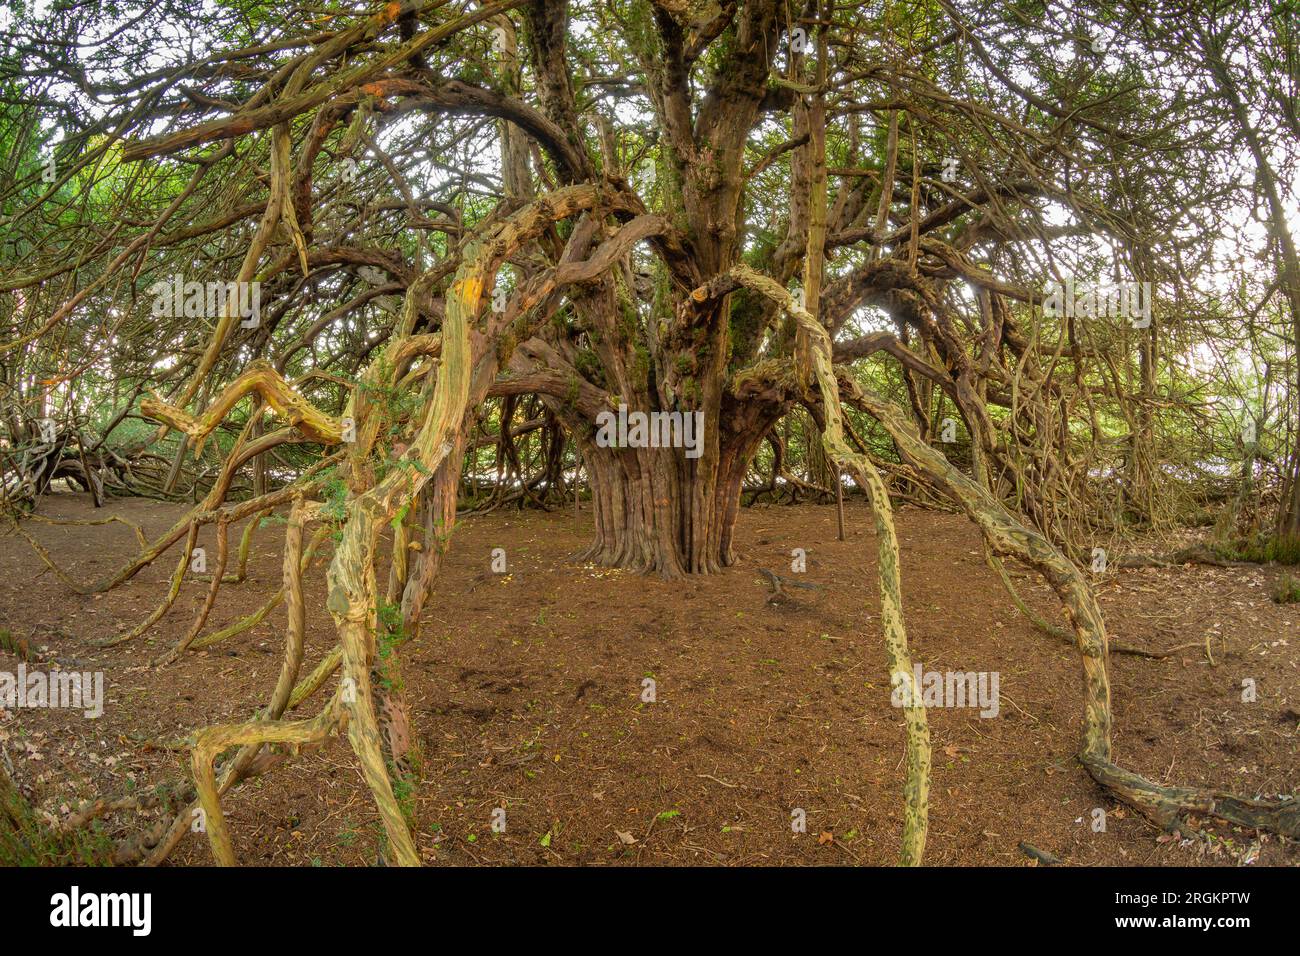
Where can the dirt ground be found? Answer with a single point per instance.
(526, 695)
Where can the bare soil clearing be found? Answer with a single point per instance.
(526, 695)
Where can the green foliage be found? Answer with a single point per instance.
(26, 840)
(335, 493)
(1286, 590)
(1262, 550)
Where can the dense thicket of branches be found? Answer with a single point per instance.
(832, 228)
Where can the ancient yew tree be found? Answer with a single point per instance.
(318, 260)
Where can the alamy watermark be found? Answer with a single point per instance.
(176, 298)
(1127, 300)
(75, 908)
(61, 689)
(651, 430)
(947, 689)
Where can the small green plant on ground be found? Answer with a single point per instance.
(1286, 590)
(26, 840)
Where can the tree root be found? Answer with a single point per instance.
(1164, 806)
